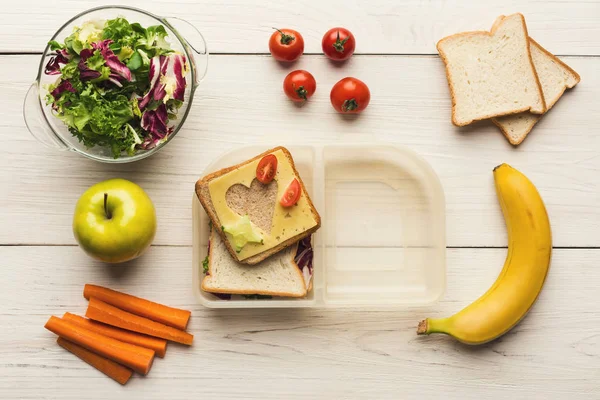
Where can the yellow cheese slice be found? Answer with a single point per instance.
(287, 221)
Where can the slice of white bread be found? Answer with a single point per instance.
(555, 76)
(491, 74)
(203, 194)
(276, 276)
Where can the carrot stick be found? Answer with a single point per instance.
(149, 342)
(108, 367)
(102, 312)
(135, 357)
(174, 317)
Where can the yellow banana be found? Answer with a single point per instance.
(524, 272)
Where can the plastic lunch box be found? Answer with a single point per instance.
(382, 240)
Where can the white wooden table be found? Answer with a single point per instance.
(268, 354)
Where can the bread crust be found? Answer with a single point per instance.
(548, 105)
(203, 195)
(507, 135)
(249, 292)
(558, 60)
(491, 33)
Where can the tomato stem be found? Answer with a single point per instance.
(302, 93)
(338, 45)
(106, 210)
(285, 38)
(349, 105)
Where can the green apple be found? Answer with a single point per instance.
(114, 221)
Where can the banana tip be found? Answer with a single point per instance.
(422, 328)
(498, 166)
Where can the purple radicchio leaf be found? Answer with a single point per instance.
(86, 74)
(159, 88)
(179, 70)
(114, 78)
(53, 66)
(155, 122)
(172, 79)
(153, 75)
(89, 74)
(149, 143)
(304, 259)
(83, 56)
(64, 86)
(111, 60)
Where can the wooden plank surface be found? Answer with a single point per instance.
(410, 106)
(380, 26)
(298, 354)
(323, 354)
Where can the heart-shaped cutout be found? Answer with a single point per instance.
(256, 201)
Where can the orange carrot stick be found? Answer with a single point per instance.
(149, 342)
(108, 367)
(135, 357)
(102, 312)
(174, 317)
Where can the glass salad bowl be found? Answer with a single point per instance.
(47, 128)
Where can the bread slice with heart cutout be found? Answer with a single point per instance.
(555, 76)
(233, 193)
(491, 74)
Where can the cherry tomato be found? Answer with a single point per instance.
(286, 45)
(350, 95)
(338, 44)
(266, 169)
(299, 85)
(291, 194)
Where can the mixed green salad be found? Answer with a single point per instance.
(120, 84)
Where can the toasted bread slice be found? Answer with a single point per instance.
(555, 76)
(279, 275)
(254, 206)
(491, 74)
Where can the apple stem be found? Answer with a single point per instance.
(108, 215)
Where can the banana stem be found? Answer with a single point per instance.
(422, 328)
(431, 325)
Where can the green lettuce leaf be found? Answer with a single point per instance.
(96, 61)
(117, 29)
(135, 62)
(125, 53)
(105, 73)
(154, 39)
(54, 45)
(96, 120)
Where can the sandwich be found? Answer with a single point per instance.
(287, 273)
(258, 207)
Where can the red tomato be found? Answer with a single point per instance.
(286, 45)
(291, 194)
(338, 44)
(299, 85)
(266, 169)
(350, 95)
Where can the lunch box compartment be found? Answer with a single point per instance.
(382, 236)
